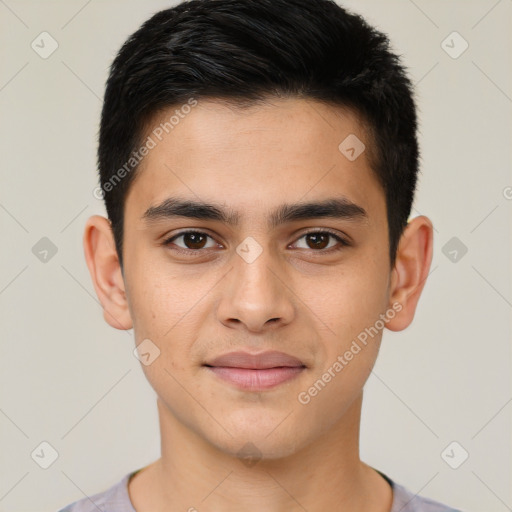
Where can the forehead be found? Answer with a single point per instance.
(283, 151)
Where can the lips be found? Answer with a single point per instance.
(262, 361)
(256, 372)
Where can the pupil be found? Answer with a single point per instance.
(193, 240)
(319, 244)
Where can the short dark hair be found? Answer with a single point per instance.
(248, 51)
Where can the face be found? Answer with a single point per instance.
(307, 282)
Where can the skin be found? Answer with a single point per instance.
(307, 301)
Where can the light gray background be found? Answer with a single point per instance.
(71, 380)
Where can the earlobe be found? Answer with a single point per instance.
(105, 270)
(412, 265)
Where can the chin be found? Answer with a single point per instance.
(251, 445)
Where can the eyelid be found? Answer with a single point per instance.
(343, 240)
(168, 239)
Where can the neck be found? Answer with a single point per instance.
(193, 474)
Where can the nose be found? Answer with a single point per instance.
(254, 295)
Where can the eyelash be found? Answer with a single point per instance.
(342, 242)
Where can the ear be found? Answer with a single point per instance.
(412, 265)
(105, 270)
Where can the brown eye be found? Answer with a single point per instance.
(319, 241)
(191, 240)
(194, 240)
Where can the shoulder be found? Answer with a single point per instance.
(406, 501)
(114, 499)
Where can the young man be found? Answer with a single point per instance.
(258, 161)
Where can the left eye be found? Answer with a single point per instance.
(319, 240)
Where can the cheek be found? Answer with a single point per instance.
(350, 299)
(351, 306)
(168, 307)
(159, 297)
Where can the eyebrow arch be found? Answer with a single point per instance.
(335, 208)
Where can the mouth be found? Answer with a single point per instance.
(256, 372)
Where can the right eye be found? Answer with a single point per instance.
(193, 241)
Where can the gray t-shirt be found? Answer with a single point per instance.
(117, 499)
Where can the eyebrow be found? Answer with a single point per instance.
(335, 208)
